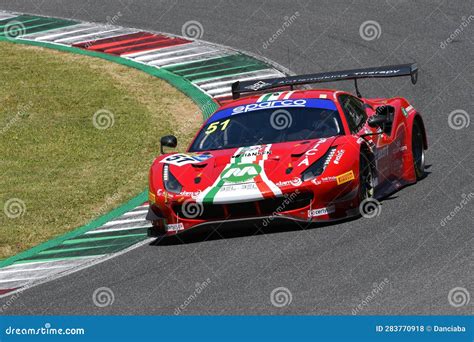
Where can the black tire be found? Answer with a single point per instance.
(366, 177)
(418, 150)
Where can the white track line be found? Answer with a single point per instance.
(30, 269)
(54, 34)
(144, 56)
(130, 213)
(118, 222)
(196, 57)
(4, 16)
(116, 229)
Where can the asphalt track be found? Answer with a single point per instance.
(330, 269)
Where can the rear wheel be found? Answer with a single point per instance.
(418, 150)
(366, 177)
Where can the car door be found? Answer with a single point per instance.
(356, 116)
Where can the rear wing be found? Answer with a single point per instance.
(242, 87)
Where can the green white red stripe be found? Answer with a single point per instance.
(255, 184)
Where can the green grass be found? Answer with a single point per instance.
(65, 170)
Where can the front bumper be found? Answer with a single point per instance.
(305, 205)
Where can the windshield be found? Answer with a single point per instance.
(257, 124)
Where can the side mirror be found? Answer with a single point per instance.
(381, 117)
(168, 141)
(377, 121)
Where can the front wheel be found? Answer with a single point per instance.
(418, 150)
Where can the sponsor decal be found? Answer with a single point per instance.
(377, 72)
(339, 155)
(240, 173)
(273, 101)
(239, 187)
(345, 177)
(174, 227)
(213, 127)
(192, 194)
(163, 193)
(269, 104)
(321, 211)
(183, 159)
(312, 151)
(406, 111)
(255, 153)
(258, 85)
(294, 182)
(326, 179)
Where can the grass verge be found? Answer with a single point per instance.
(77, 136)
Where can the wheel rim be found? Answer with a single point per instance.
(367, 183)
(418, 151)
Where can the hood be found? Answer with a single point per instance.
(242, 174)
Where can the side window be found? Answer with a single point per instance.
(354, 111)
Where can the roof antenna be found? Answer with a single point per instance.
(357, 89)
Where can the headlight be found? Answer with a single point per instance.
(170, 181)
(318, 167)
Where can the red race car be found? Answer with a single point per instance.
(310, 155)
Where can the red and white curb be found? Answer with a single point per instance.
(146, 47)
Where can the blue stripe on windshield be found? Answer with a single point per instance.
(277, 104)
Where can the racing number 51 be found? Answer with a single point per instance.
(213, 126)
